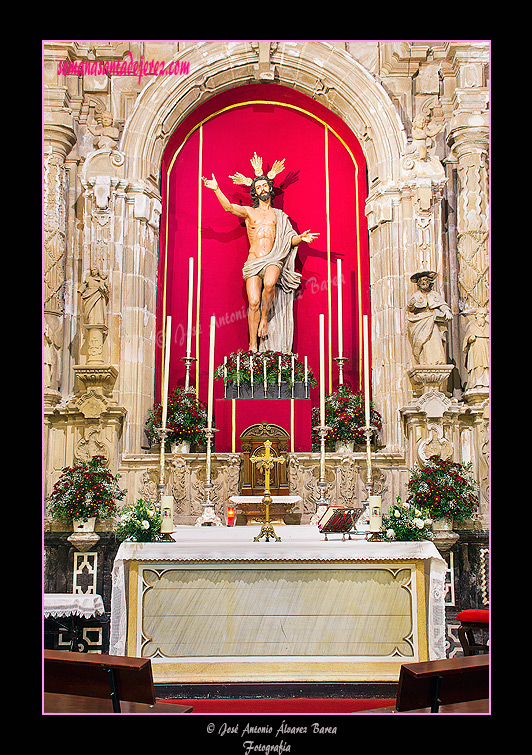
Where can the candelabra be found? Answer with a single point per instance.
(341, 361)
(322, 503)
(188, 360)
(208, 517)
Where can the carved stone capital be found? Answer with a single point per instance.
(98, 378)
(427, 377)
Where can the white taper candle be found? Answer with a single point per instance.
(340, 308)
(322, 369)
(211, 371)
(367, 369)
(189, 312)
(167, 343)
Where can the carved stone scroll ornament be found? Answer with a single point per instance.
(436, 444)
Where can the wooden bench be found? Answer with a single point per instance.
(95, 683)
(451, 685)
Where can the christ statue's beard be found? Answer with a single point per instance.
(264, 196)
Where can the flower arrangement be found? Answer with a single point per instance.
(185, 420)
(140, 522)
(344, 414)
(86, 490)
(405, 521)
(447, 489)
(243, 375)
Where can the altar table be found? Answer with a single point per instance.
(215, 606)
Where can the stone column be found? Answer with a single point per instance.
(59, 138)
(468, 138)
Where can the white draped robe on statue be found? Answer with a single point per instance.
(281, 316)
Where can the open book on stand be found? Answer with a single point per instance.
(339, 519)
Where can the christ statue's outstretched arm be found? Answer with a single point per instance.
(234, 209)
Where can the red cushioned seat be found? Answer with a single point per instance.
(474, 616)
(472, 620)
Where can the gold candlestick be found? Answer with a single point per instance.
(266, 462)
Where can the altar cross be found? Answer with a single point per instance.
(266, 463)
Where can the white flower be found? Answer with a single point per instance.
(397, 513)
(428, 522)
(419, 523)
(145, 524)
(406, 505)
(417, 513)
(390, 533)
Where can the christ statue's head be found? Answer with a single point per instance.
(263, 191)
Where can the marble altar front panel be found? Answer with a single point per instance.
(277, 611)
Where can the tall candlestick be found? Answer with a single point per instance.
(189, 313)
(367, 368)
(322, 369)
(340, 308)
(211, 372)
(168, 341)
(293, 373)
(306, 378)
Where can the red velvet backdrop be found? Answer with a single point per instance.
(324, 171)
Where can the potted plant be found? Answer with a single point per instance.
(140, 522)
(84, 493)
(238, 368)
(446, 489)
(404, 521)
(344, 414)
(185, 421)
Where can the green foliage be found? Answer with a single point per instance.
(243, 374)
(186, 418)
(85, 490)
(344, 414)
(406, 522)
(445, 488)
(140, 522)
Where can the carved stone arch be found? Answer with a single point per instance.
(332, 77)
(319, 69)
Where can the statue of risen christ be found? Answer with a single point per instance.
(272, 248)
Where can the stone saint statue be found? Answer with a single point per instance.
(423, 129)
(475, 345)
(428, 315)
(107, 134)
(94, 293)
(269, 271)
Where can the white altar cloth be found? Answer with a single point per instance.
(72, 604)
(299, 543)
